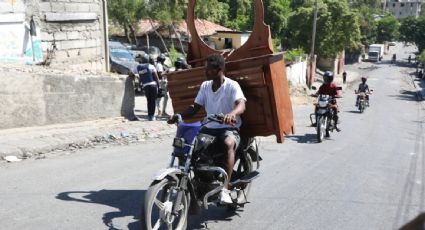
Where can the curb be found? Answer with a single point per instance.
(34, 147)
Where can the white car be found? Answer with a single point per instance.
(391, 43)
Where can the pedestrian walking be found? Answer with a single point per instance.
(150, 82)
(163, 86)
(420, 74)
(344, 77)
(409, 59)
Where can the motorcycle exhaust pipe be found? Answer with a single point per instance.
(219, 188)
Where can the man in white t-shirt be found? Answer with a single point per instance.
(220, 95)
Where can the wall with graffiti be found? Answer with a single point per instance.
(17, 45)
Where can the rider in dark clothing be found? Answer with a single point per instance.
(330, 88)
(363, 88)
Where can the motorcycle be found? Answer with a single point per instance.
(323, 118)
(196, 176)
(363, 101)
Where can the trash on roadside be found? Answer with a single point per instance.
(12, 159)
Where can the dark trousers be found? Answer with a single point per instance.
(151, 93)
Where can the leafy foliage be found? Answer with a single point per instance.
(408, 30)
(420, 34)
(337, 28)
(241, 15)
(412, 30)
(421, 57)
(291, 54)
(387, 29)
(165, 11)
(212, 10)
(278, 12)
(126, 13)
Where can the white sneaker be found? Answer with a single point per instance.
(225, 197)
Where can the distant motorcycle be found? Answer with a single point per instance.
(196, 176)
(323, 118)
(363, 100)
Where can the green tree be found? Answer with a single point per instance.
(126, 13)
(423, 9)
(168, 13)
(337, 28)
(412, 30)
(277, 13)
(387, 29)
(371, 4)
(368, 25)
(421, 57)
(408, 30)
(420, 34)
(241, 15)
(212, 10)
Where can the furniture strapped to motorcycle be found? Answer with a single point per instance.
(260, 73)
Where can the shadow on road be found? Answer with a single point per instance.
(304, 139)
(212, 215)
(128, 203)
(406, 95)
(353, 111)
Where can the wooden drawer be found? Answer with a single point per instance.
(248, 78)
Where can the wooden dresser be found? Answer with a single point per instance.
(260, 73)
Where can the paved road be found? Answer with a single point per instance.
(369, 176)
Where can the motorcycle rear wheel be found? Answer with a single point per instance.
(246, 167)
(159, 203)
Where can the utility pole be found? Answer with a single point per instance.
(313, 40)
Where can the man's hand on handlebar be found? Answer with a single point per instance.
(175, 118)
(229, 119)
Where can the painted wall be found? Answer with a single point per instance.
(15, 43)
(296, 73)
(69, 33)
(238, 39)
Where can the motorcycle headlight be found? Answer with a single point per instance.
(323, 103)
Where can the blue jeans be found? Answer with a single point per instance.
(151, 93)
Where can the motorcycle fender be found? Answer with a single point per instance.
(165, 172)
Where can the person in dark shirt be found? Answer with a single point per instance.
(149, 81)
(330, 88)
(363, 88)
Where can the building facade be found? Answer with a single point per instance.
(403, 8)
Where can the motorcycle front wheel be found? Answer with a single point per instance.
(158, 207)
(361, 107)
(321, 128)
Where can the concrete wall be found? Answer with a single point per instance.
(40, 99)
(297, 73)
(71, 31)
